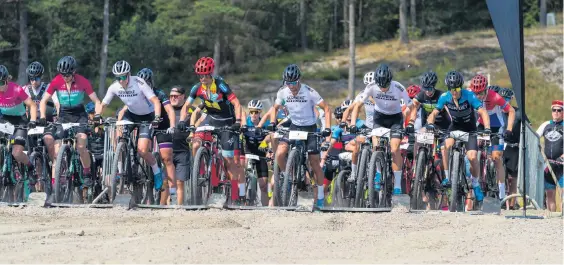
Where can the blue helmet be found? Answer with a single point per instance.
(90, 107)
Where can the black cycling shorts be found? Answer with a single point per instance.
(145, 130)
(472, 143)
(393, 122)
(312, 140)
(164, 140)
(181, 161)
(230, 144)
(511, 160)
(20, 135)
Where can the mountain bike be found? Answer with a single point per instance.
(407, 171)
(39, 158)
(380, 171)
(488, 172)
(364, 185)
(14, 182)
(278, 178)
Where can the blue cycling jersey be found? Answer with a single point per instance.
(462, 115)
(341, 135)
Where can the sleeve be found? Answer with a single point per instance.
(145, 89)
(500, 101)
(476, 104)
(162, 97)
(26, 91)
(109, 95)
(441, 102)
(364, 94)
(405, 97)
(224, 87)
(336, 133)
(315, 97)
(193, 93)
(87, 86)
(540, 130)
(51, 87)
(280, 97)
(55, 98)
(22, 94)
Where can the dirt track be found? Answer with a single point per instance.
(38, 235)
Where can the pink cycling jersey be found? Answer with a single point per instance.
(495, 105)
(12, 100)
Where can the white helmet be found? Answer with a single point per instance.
(347, 103)
(369, 78)
(255, 104)
(121, 68)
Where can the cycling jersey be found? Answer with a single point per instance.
(12, 100)
(341, 135)
(389, 102)
(36, 95)
(179, 139)
(553, 138)
(163, 98)
(136, 96)
(428, 104)
(300, 106)
(73, 97)
(368, 110)
(495, 105)
(463, 116)
(252, 140)
(216, 101)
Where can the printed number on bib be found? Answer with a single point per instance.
(297, 135)
(425, 138)
(36, 130)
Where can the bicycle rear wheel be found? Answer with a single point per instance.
(63, 185)
(40, 173)
(117, 181)
(277, 188)
(290, 186)
(384, 196)
(340, 191)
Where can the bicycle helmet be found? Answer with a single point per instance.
(338, 113)
(369, 78)
(413, 90)
(454, 79)
(494, 88)
(255, 104)
(478, 84)
(204, 66)
(90, 107)
(34, 69)
(292, 73)
(506, 93)
(347, 103)
(4, 73)
(147, 75)
(383, 76)
(429, 80)
(121, 68)
(66, 65)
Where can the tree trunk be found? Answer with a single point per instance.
(359, 23)
(24, 44)
(216, 55)
(352, 46)
(413, 13)
(333, 26)
(104, 55)
(422, 24)
(403, 22)
(345, 25)
(303, 28)
(543, 13)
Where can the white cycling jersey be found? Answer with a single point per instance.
(136, 96)
(368, 109)
(301, 106)
(386, 102)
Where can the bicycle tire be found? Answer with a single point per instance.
(277, 187)
(339, 192)
(360, 178)
(36, 158)
(66, 194)
(198, 193)
(376, 199)
(251, 192)
(116, 187)
(455, 204)
(491, 180)
(288, 192)
(416, 196)
(2, 187)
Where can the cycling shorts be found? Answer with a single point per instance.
(511, 160)
(472, 142)
(312, 140)
(331, 166)
(393, 122)
(164, 140)
(20, 135)
(229, 141)
(72, 115)
(145, 130)
(497, 143)
(181, 161)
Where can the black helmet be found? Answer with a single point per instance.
(506, 93)
(383, 76)
(147, 75)
(495, 88)
(338, 112)
(454, 79)
(66, 65)
(34, 69)
(292, 73)
(4, 73)
(429, 80)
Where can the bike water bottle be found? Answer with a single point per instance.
(377, 179)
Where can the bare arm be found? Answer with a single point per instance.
(237, 107)
(432, 116)
(157, 104)
(43, 104)
(413, 114)
(121, 113)
(96, 101)
(184, 111)
(355, 111)
(171, 115)
(32, 109)
(510, 119)
(485, 117)
(194, 116)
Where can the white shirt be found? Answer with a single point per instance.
(388, 103)
(368, 110)
(136, 96)
(301, 106)
(36, 92)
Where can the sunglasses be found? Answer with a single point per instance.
(556, 110)
(175, 96)
(291, 83)
(204, 76)
(429, 89)
(3, 82)
(67, 75)
(121, 78)
(36, 78)
(456, 89)
(254, 112)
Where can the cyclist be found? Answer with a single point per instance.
(495, 105)
(552, 131)
(164, 140)
(387, 95)
(70, 89)
(13, 101)
(254, 143)
(368, 106)
(35, 89)
(142, 106)
(511, 152)
(462, 105)
(300, 101)
(95, 139)
(223, 109)
(427, 100)
(412, 92)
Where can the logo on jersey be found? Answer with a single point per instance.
(553, 136)
(383, 96)
(298, 98)
(127, 93)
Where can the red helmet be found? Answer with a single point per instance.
(413, 90)
(478, 84)
(204, 66)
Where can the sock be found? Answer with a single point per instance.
(353, 169)
(320, 192)
(501, 190)
(120, 167)
(397, 179)
(156, 169)
(475, 182)
(241, 189)
(446, 173)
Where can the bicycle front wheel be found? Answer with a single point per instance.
(456, 200)
(291, 176)
(201, 178)
(117, 181)
(416, 202)
(63, 184)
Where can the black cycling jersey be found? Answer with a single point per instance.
(217, 101)
(553, 142)
(179, 139)
(428, 104)
(463, 115)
